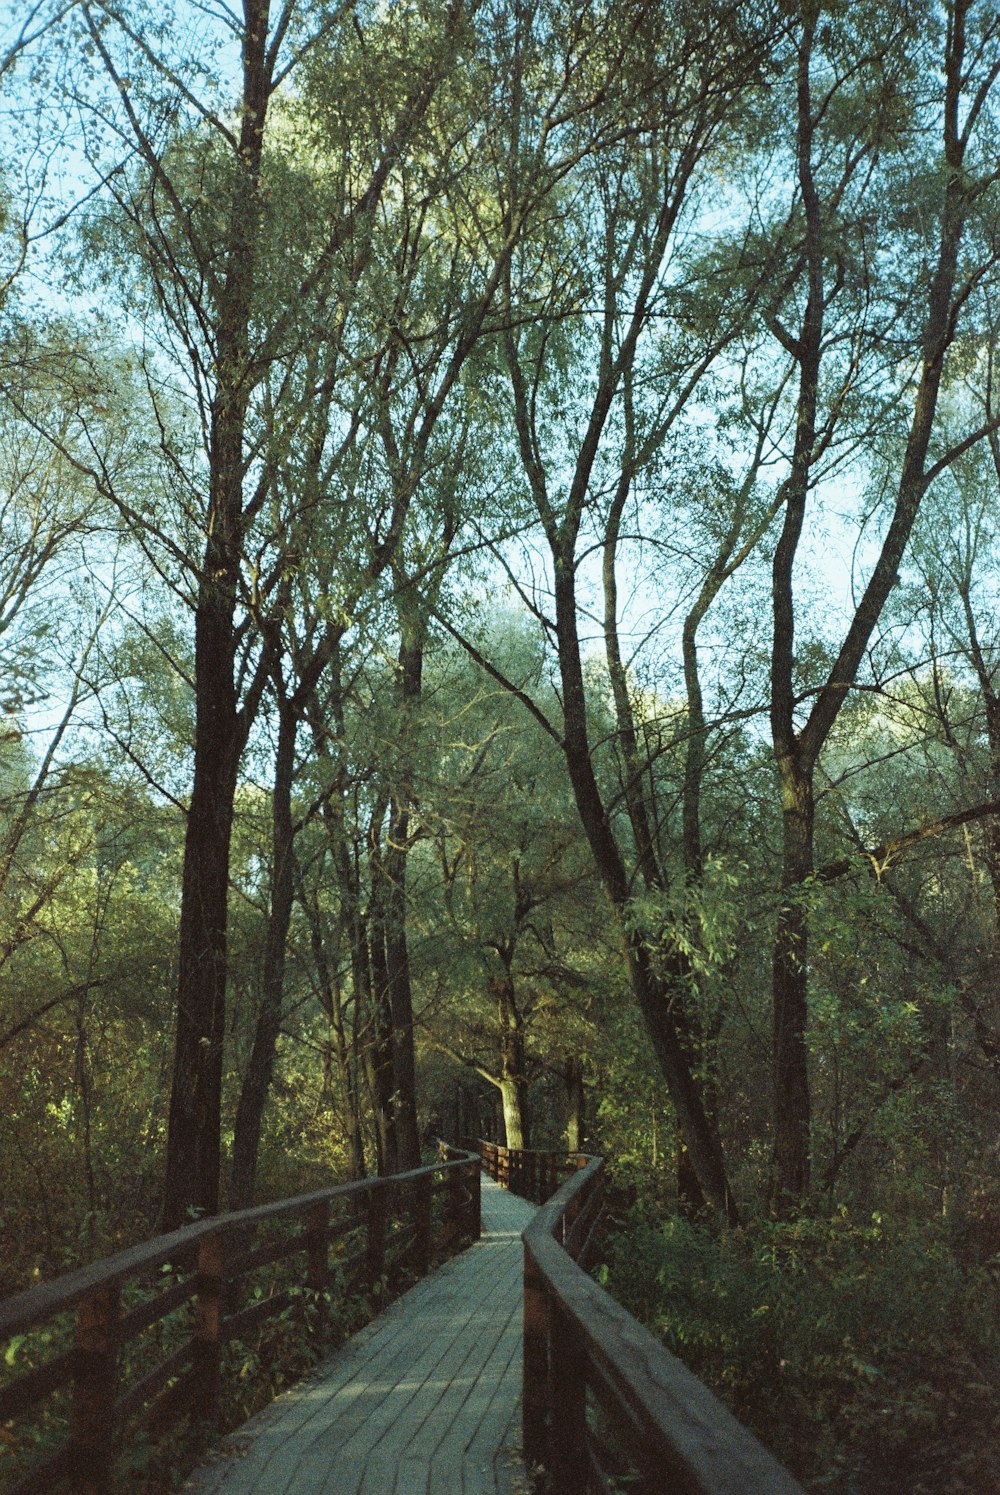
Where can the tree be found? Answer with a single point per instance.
(517, 926)
(847, 308)
(198, 202)
(685, 91)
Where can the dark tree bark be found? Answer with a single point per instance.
(400, 993)
(699, 1043)
(232, 355)
(380, 1055)
(221, 725)
(694, 1123)
(638, 230)
(260, 1067)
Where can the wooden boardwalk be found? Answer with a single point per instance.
(425, 1400)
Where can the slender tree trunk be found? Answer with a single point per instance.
(790, 1077)
(693, 1121)
(389, 905)
(797, 751)
(260, 1068)
(512, 1081)
(575, 1104)
(380, 1042)
(411, 665)
(792, 1113)
(345, 1054)
(400, 989)
(349, 884)
(347, 1065)
(338, 1047)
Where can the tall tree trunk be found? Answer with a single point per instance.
(193, 1130)
(411, 664)
(797, 750)
(400, 989)
(380, 1045)
(792, 1111)
(345, 1052)
(790, 1076)
(389, 904)
(194, 1124)
(347, 1064)
(260, 1067)
(349, 883)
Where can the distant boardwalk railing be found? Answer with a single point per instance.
(605, 1405)
(144, 1347)
(533, 1174)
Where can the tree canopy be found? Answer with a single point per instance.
(497, 599)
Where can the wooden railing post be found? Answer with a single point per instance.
(207, 1341)
(567, 1434)
(455, 1208)
(535, 1384)
(475, 1176)
(92, 1428)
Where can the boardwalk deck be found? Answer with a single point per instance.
(423, 1401)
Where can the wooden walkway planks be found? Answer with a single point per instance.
(425, 1400)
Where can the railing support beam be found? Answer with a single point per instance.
(567, 1431)
(535, 1383)
(92, 1427)
(207, 1357)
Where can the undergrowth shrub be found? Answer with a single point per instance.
(860, 1352)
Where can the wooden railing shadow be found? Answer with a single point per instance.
(606, 1407)
(135, 1342)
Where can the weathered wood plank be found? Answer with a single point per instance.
(492, 1458)
(418, 1403)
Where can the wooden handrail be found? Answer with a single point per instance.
(393, 1216)
(603, 1400)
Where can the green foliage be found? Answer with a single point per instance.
(859, 1350)
(702, 920)
(581, 283)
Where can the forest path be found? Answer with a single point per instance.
(425, 1400)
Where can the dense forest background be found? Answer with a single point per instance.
(500, 517)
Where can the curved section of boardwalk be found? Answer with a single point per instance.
(423, 1401)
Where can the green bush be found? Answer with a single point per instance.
(859, 1352)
